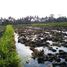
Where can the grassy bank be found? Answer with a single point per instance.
(8, 55)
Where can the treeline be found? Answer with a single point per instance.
(31, 19)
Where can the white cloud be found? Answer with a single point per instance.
(21, 8)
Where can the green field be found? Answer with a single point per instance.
(51, 24)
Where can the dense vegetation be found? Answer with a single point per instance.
(32, 19)
(8, 54)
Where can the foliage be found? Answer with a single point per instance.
(8, 54)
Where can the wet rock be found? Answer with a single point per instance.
(66, 59)
(62, 54)
(35, 53)
(63, 64)
(40, 60)
(41, 53)
(50, 48)
(64, 44)
(20, 40)
(50, 59)
(32, 48)
(56, 48)
(57, 59)
(55, 44)
(46, 58)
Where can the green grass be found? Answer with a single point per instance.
(52, 24)
(8, 54)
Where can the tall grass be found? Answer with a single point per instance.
(8, 54)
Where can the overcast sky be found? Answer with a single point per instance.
(42, 8)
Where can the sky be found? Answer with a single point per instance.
(41, 8)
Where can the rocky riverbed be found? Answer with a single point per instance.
(46, 44)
